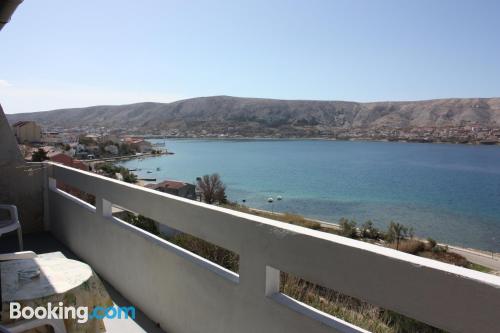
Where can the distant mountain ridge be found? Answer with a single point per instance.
(256, 115)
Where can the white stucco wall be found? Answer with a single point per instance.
(186, 293)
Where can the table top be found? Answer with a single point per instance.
(58, 275)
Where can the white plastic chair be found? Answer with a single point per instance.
(12, 224)
(24, 325)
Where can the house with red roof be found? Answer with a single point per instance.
(174, 187)
(68, 161)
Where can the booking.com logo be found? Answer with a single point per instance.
(80, 314)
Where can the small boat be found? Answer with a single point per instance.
(157, 169)
(149, 171)
(148, 179)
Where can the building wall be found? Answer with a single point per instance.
(29, 132)
(188, 191)
(21, 183)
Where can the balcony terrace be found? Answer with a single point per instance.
(183, 292)
(187, 293)
(179, 291)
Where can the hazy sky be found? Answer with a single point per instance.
(61, 53)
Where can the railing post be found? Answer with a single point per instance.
(52, 184)
(272, 281)
(49, 183)
(46, 213)
(104, 207)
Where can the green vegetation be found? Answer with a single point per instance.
(348, 228)
(397, 232)
(368, 231)
(110, 170)
(141, 221)
(39, 156)
(479, 268)
(125, 149)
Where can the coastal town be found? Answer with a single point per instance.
(467, 133)
(81, 145)
(96, 152)
(97, 149)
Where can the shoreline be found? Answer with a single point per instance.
(489, 259)
(477, 252)
(264, 138)
(125, 158)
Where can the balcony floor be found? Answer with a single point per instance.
(45, 243)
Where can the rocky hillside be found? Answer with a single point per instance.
(254, 115)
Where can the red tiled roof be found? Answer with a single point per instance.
(173, 184)
(62, 158)
(68, 161)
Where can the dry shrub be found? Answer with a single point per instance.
(299, 220)
(447, 257)
(412, 246)
(87, 197)
(352, 310)
(209, 251)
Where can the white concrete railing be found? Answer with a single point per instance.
(186, 293)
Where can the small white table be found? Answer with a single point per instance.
(61, 280)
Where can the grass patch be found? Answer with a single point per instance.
(479, 268)
(294, 219)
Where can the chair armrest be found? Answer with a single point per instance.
(17, 255)
(12, 210)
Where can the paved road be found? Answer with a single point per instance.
(479, 258)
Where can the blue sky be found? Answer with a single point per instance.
(60, 53)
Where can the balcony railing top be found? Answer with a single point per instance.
(446, 296)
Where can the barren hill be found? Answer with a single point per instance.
(255, 115)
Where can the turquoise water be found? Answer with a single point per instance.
(448, 192)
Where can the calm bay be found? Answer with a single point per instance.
(448, 192)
